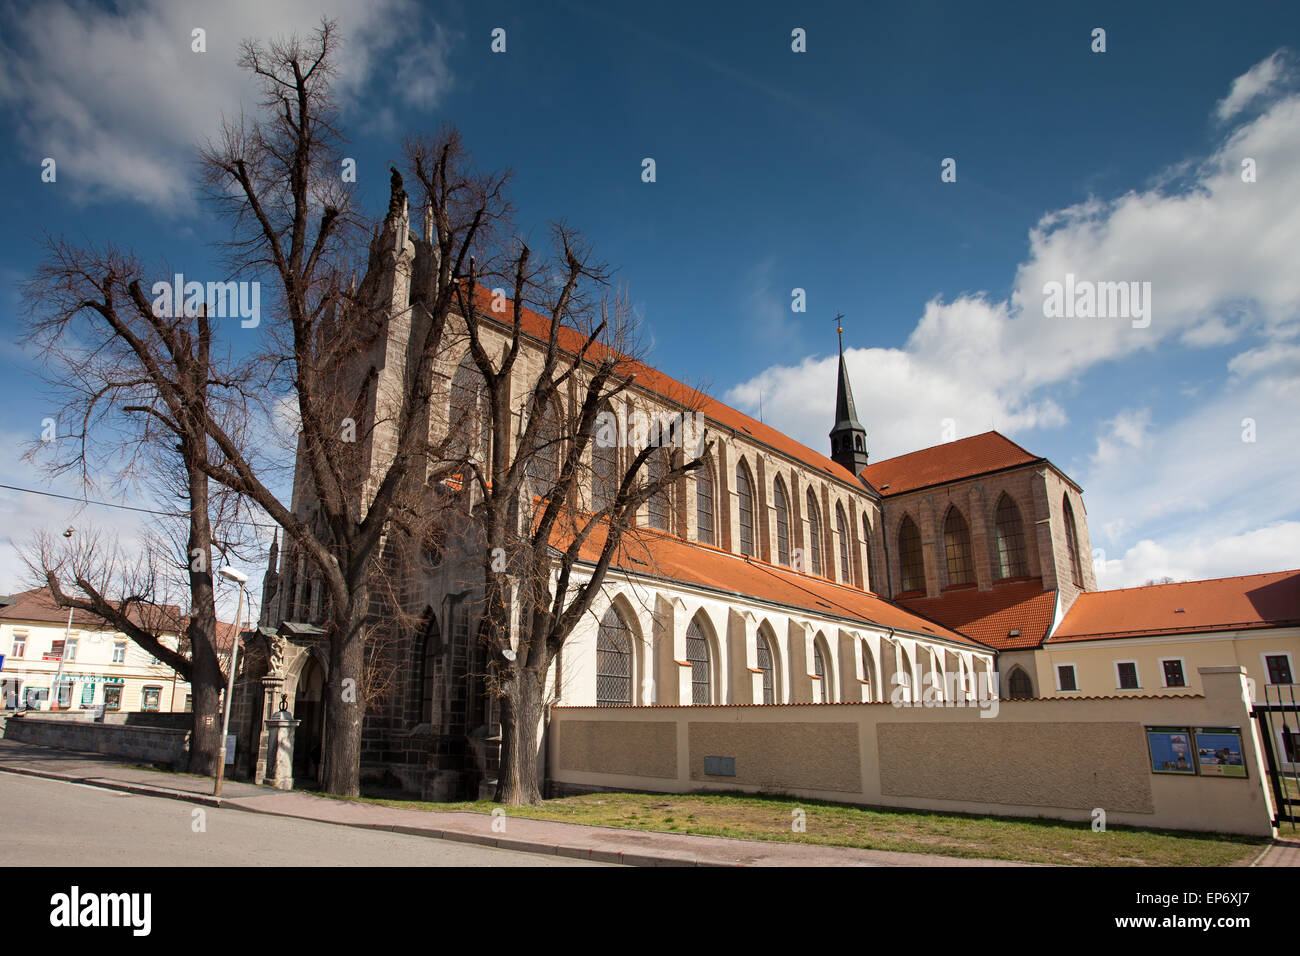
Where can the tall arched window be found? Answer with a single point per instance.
(613, 661)
(697, 652)
(1019, 686)
(1072, 543)
(765, 665)
(704, 504)
(814, 536)
(659, 507)
(467, 411)
(782, 504)
(911, 558)
(869, 574)
(819, 668)
(745, 498)
(1012, 560)
(842, 529)
(868, 675)
(956, 545)
(604, 461)
(543, 465)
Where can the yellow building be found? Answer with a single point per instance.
(1151, 640)
(91, 665)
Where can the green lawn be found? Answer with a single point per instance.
(770, 818)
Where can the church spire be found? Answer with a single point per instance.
(848, 437)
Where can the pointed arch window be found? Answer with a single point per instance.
(765, 665)
(613, 661)
(1072, 543)
(745, 499)
(468, 409)
(842, 529)
(869, 577)
(819, 668)
(1012, 559)
(704, 504)
(782, 504)
(814, 536)
(956, 546)
(911, 558)
(867, 672)
(543, 464)
(697, 652)
(659, 507)
(1019, 686)
(604, 462)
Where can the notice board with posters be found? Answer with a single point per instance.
(1218, 752)
(1199, 751)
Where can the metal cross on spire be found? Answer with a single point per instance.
(839, 328)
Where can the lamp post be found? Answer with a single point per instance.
(67, 636)
(230, 574)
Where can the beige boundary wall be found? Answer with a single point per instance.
(1038, 758)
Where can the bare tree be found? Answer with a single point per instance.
(364, 454)
(139, 388)
(552, 516)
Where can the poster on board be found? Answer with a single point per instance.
(1171, 750)
(1218, 752)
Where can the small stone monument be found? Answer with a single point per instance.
(281, 728)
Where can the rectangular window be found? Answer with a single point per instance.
(1291, 745)
(112, 696)
(56, 652)
(119, 652)
(1174, 673)
(70, 650)
(1065, 677)
(20, 643)
(65, 694)
(1279, 669)
(189, 703)
(150, 698)
(1127, 672)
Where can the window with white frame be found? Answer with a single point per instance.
(119, 652)
(20, 644)
(1126, 675)
(1065, 677)
(1279, 668)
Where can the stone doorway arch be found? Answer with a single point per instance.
(309, 703)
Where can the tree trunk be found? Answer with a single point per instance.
(522, 707)
(345, 708)
(206, 682)
(205, 735)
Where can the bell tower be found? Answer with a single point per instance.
(848, 437)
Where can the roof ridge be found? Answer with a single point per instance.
(1172, 584)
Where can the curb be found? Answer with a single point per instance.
(501, 843)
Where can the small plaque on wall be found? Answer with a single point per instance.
(720, 766)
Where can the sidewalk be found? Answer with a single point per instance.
(602, 844)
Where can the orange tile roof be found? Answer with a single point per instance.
(1220, 604)
(653, 553)
(951, 461)
(571, 340)
(990, 616)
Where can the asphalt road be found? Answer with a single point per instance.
(51, 823)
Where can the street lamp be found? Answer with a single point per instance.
(67, 636)
(230, 574)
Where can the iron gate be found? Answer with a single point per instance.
(1279, 729)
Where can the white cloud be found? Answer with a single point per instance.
(1275, 547)
(119, 100)
(1257, 81)
(1220, 256)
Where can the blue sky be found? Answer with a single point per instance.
(779, 170)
